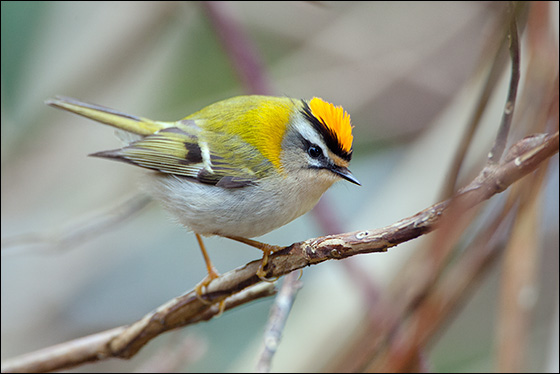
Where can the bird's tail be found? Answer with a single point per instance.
(112, 117)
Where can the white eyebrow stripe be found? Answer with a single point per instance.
(310, 134)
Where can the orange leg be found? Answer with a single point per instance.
(212, 273)
(267, 250)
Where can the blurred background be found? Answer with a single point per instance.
(408, 73)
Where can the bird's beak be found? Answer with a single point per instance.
(344, 173)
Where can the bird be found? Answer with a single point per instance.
(238, 168)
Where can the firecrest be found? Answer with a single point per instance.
(238, 168)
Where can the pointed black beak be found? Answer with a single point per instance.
(344, 173)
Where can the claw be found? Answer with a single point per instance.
(267, 250)
(198, 289)
(261, 273)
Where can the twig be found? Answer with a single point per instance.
(523, 256)
(489, 85)
(507, 116)
(278, 316)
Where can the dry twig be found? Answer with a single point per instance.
(278, 316)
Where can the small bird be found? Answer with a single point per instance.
(238, 168)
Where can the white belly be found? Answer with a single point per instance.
(247, 212)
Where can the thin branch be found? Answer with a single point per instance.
(278, 316)
(125, 342)
(507, 116)
(489, 85)
(523, 256)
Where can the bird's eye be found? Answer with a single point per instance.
(314, 151)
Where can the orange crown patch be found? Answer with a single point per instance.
(335, 119)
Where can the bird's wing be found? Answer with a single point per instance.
(182, 151)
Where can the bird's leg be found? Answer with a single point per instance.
(267, 249)
(212, 273)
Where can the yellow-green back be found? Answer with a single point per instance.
(258, 120)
